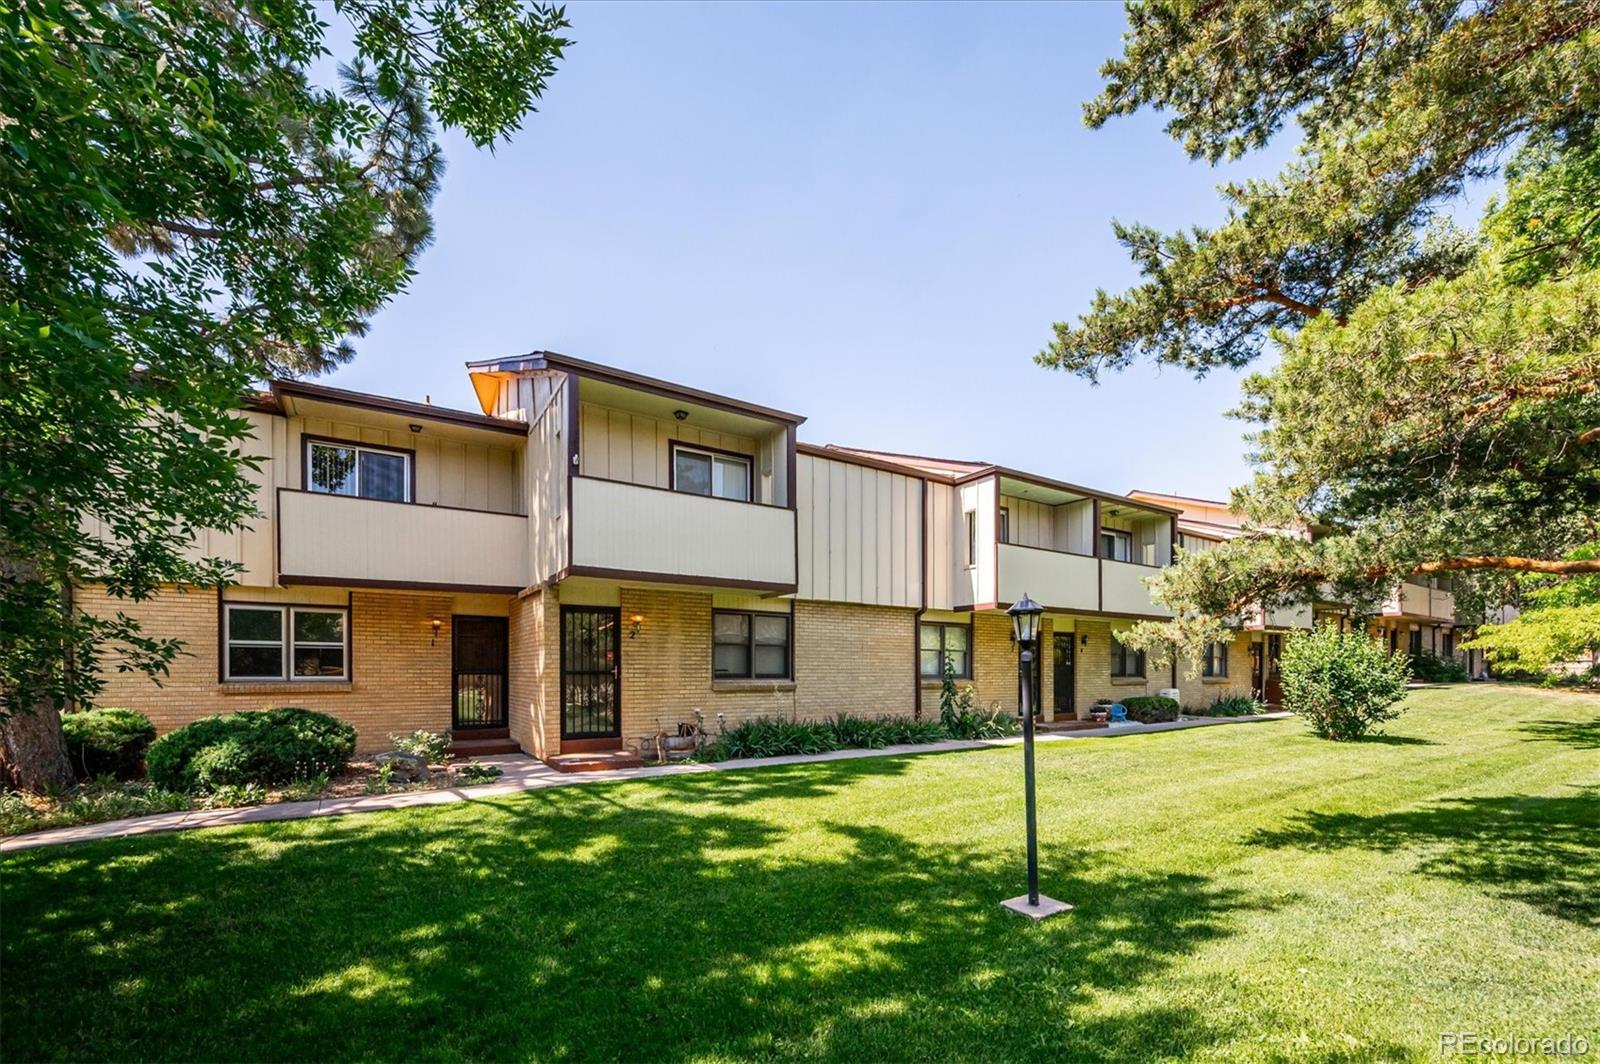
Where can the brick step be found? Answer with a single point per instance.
(601, 761)
(483, 747)
(481, 733)
(1070, 725)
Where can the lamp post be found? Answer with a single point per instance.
(1025, 616)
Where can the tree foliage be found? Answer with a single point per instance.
(184, 211)
(1559, 620)
(1436, 403)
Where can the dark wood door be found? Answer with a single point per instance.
(1062, 657)
(1274, 684)
(1258, 679)
(478, 688)
(591, 672)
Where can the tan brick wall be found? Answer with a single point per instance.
(528, 705)
(1199, 692)
(854, 659)
(1094, 668)
(400, 673)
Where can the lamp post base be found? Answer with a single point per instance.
(1046, 906)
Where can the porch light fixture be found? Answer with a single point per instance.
(414, 428)
(633, 625)
(681, 415)
(436, 623)
(1025, 619)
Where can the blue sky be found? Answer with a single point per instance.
(869, 215)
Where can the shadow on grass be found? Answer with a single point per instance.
(1582, 734)
(581, 924)
(1381, 739)
(1538, 850)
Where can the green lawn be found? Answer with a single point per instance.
(1242, 892)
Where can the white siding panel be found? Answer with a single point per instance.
(645, 530)
(1125, 590)
(336, 537)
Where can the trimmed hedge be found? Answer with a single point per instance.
(263, 747)
(107, 742)
(1229, 706)
(1150, 709)
(777, 737)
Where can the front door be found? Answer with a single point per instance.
(591, 672)
(1258, 681)
(1274, 684)
(1063, 677)
(478, 656)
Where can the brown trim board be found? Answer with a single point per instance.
(292, 579)
(425, 411)
(775, 588)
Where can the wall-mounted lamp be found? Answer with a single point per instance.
(414, 428)
(681, 415)
(437, 624)
(633, 625)
(1085, 641)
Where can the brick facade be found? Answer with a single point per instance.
(400, 672)
(847, 659)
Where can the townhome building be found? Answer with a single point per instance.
(597, 558)
(1417, 617)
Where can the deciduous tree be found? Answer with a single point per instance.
(185, 210)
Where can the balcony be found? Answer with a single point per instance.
(1299, 616)
(1122, 589)
(644, 533)
(344, 541)
(1419, 600)
(1065, 581)
(1057, 579)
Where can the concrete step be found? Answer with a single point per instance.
(599, 761)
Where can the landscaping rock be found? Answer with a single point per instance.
(403, 768)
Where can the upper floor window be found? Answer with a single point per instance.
(972, 537)
(749, 645)
(1125, 661)
(1216, 664)
(357, 469)
(1116, 544)
(1005, 524)
(283, 642)
(723, 476)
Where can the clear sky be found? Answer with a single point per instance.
(869, 215)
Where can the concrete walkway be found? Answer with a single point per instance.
(522, 773)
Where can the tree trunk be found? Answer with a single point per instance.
(33, 750)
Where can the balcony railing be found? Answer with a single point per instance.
(1419, 600)
(336, 539)
(1055, 578)
(1065, 581)
(623, 529)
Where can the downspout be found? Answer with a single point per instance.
(922, 598)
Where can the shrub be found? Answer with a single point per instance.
(478, 772)
(104, 742)
(1230, 706)
(779, 737)
(1430, 668)
(430, 746)
(88, 803)
(1343, 683)
(1150, 709)
(264, 748)
(970, 722)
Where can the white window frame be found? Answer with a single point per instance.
(719, 477)
(339, 445)
(286, 642)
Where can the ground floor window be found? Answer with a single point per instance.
(749, 645)
(1216, 664)
(1416, 642)
(938, 643)
(1126, 662)
(263, 642)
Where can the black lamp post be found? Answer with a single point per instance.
(1025, 617)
